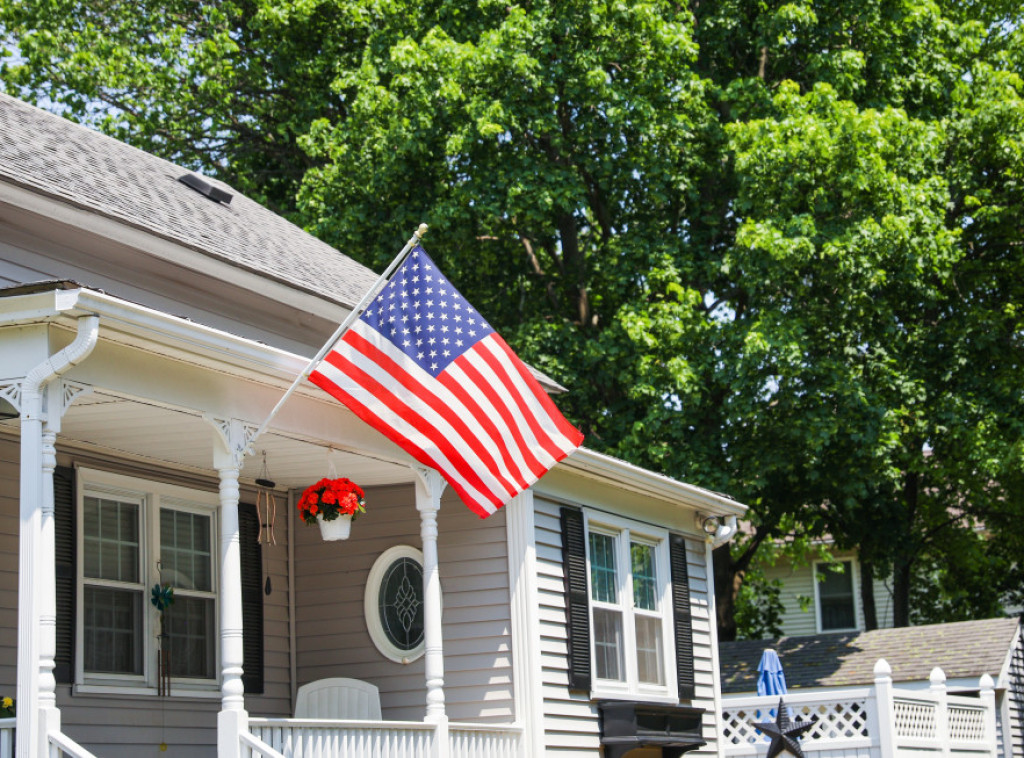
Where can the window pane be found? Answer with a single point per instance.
(609, 662)
(603, 586)
(648, 650)
(110, 533)
(645, 584)
(400, 603)
(185, 550)
(835, 598)
(113, 631)
(189, 637)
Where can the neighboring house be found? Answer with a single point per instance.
(825, 596)
(828, 675)
(146, 329)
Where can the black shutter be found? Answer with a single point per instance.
(64, 570)
(683, 620)
(577, 599)
(252, 598)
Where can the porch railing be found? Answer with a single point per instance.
(7, 737)
(879, 721)
(312, 738)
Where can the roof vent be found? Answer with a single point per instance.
(205, 188)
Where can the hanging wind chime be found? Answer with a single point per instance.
(266, 512)
(162, 598)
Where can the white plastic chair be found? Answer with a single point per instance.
(338, 698)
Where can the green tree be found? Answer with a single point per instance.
(774, 249)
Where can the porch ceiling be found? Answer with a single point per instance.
(128, 428)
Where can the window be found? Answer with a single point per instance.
(630, 607)
(393, 604)
(835, 591)
(135, 534)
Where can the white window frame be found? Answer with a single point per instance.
(152, 496)
(855, 589)
(371, 611)
(625, 531)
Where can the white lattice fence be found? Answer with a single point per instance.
(839, 722)
(966, 723)
(915, 719)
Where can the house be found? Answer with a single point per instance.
(147, 327)
(822, 595)
(834, 675)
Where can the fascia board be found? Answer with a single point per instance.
(63, 212)
(602, 467)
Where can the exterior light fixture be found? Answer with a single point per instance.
(710, 524)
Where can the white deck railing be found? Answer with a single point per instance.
(314, 738)
(7, 737)
(872, 722)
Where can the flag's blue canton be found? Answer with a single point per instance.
(424, 316)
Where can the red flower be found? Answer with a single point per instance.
(330, 498)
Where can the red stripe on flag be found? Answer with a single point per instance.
(465, 435)
(535, 467)
(401, 409)
(389, 431)
(570, 432)
(514, 394)
(507, 418)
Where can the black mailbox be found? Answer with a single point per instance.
(626, 725)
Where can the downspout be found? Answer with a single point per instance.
(723, 534)
(37, 701)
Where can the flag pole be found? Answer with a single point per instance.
(352, 316)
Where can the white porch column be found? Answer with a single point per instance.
(31, 573)
(229, 446)
(429, 486)
(526, 655)
(36, 689)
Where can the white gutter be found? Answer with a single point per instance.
(37, 711)
(138, 326)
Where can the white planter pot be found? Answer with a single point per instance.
(338, 529)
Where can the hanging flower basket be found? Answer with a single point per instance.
(333, 504)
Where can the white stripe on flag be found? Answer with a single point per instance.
(481, 364)
(439, 423)
(387, 416)
(524, 391)
(453, 403)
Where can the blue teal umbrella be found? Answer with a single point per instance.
(770, 679)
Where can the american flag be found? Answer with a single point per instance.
(424, 368)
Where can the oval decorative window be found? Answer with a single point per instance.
(393, 603)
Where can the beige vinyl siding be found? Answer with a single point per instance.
(13, 272)
(332, 639)
(113, 726)
(571, 728)
(799, 581)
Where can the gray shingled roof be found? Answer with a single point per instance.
(963, 649)
(53, 156)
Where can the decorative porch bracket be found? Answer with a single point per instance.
(231, 439)
(429, 486)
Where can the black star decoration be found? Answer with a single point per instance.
(784, 733)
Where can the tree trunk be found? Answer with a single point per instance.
(901, 593)
(725, 593)
(867, 595)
